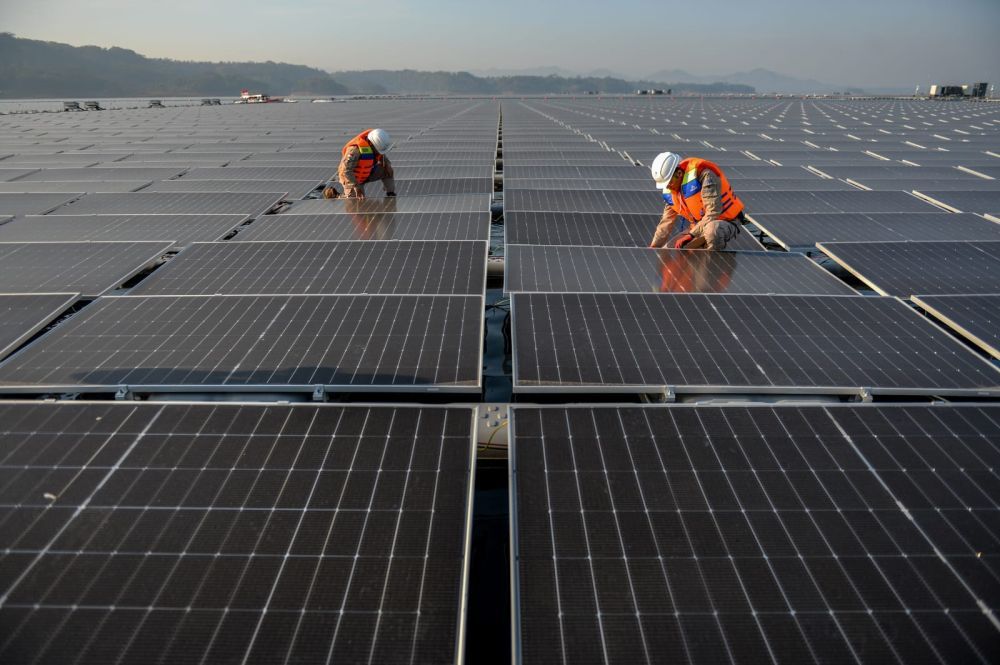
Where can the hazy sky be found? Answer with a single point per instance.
(860, 42)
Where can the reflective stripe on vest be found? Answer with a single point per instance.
(688, 203)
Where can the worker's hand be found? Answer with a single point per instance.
(390, 194)
(682, 240)
(330, 193)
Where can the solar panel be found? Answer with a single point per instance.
(913, 184)
(974, 317)
(863, 173)
(317, 173)
(221, 532)
(598, 228)
(802, 232)
(186, 156)
(22, 315)
(89, 268)
(294, 189)
(718, 343)
(986, 203)
(31, 204)
(404, 173)
(254, 343)
(753, 534)
(623, 172)
(539, 268)
(181, 229)
(77, 188)
(172, 203)
(348, 267)
(810, 202)
(102, 174)
(432, 204)
(510, 184)
(377, 226)
(13, 174)
(583, 201)
(930, 268)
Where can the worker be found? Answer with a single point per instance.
(697, 190)
(363, 160)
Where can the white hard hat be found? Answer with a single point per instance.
(380, 140)
(664, 166)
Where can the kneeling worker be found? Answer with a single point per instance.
(364, 160)
(697, 190)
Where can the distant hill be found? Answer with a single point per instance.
(762, 80)
(32, 68)
(410, 81)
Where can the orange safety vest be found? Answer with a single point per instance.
(369, 156)
(689, 204)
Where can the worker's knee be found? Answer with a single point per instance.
(713, 239)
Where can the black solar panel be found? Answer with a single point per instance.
(88, 268)
(373, 226)
(597, 228)
(433, 204)
(510, 184)
(404, 173)
(97, 173)
(810, 202)
(217, 533)
(863, 173)
(540, 268)
(614, 173)
(747, 343)
(180, 229)
(31, 204)
(986, 203)
(171, 203)
(583, 201)
(349, 268)
(22, 315)
(922, 184)
(316, 173)
(974, 317)
(760, 534)
(234, 343)
(294, 189)
(931, 268)
(74, 188)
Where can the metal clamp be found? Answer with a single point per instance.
(319, 393)
(124, 393)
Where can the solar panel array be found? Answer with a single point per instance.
(159, 530)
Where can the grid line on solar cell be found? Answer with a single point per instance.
(569, 269)
(344, 268)
(810, 202)
(179, 229)
(90, 268)
(430, 204)
(171, 203)
(294, 189)
(582, 201)
(751, 343)
(22, 315)
(974, 317)
(232, 343)
(370, 226)
(225, 531)
(809, 533)
(931, 268)
(801, 232)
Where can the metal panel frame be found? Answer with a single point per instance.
(947, 322)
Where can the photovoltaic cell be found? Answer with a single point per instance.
(930, 268)
(22, 315)
(88, 268)
(811, 202)
(239, 343)
(583, 201)
(170, 203)
(371, 226)
(349, 268)
(179, 229)
(974, 317)
(707, 535)
(222, 532)
(802, 232)
(749, 343)
(294, 189)
(431, 204)
(567, 269)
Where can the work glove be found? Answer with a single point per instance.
(682, 240)
(330, 193)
